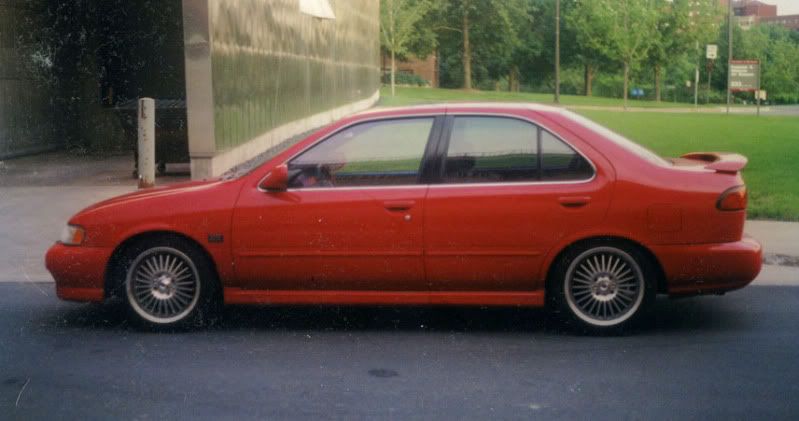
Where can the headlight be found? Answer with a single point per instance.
(72, 235)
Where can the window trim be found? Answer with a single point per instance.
(439, 135)
(424, 163)
(443, 148)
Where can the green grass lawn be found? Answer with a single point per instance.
(412, 96)
(771, 143)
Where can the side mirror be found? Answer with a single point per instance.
(277, 180)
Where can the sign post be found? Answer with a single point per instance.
(745, 77)
(712, 53)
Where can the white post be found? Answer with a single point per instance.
(146, 162)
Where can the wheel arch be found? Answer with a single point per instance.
(599, 239)
(114, 267)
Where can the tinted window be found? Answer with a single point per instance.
(378, 153)
(560, 162)
(491, 149)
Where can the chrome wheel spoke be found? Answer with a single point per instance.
(163, 285)
(604, 286)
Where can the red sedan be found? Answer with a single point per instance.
(490, 205)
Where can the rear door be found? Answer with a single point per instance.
(508, 191)
(351, 218)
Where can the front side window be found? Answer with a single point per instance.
(491, 149)
(379, 153)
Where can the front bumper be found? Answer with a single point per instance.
(710, 268)
(79, 272)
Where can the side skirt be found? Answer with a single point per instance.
(470, 298)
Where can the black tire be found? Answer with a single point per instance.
(602, 287)
(168, 283)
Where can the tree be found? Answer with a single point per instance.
(684, 27)
(479, 32)
(401, 31)
(591, 24)
(634, 26)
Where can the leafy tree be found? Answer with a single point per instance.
(403, 30)
(591, 23)
(634, 26)
(481, 33)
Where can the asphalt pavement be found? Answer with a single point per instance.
(725, 357)
(728, 357)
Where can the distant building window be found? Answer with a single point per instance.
(317, 8)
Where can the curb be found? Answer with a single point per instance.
(780, 260)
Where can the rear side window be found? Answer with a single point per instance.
(379, 153)
(499, 149)
(491, 149)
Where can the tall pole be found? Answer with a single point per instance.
(729, 54)
(696, 77)
(557, 51)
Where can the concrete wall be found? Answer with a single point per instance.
(25, 109)
(260, 71)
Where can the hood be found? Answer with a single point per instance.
(155, 192)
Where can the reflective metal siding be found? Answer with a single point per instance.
(272, 64)
(24, 104)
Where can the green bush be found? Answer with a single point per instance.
(405, 79)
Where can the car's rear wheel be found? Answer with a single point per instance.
(603, 287)
(169, 283)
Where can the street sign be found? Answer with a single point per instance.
(712, 52)
(744, 75)
(761, 95)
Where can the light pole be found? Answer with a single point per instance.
(729, 54)
(557, 51)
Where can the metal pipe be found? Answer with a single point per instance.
(146, 143)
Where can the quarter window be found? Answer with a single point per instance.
(560, 162)
(378, 153)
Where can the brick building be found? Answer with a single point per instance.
(426, 68)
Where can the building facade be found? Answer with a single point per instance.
(788, 21)
(426, 68)
(233, 77)
(259, 72)
(24, 104)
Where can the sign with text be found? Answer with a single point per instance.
(712, 51)
(744, 75)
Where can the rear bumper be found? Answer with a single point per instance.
(79, 272)
(710, 268)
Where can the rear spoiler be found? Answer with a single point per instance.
(728, 163)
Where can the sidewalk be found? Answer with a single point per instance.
(38, 195)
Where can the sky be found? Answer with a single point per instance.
(785, 7)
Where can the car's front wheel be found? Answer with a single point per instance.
(169, 283)
(602, 287)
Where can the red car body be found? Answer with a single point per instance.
(432, 242)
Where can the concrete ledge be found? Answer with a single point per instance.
(206, 167)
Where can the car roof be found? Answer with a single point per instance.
(462, 106)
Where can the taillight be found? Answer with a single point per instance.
(733, 199)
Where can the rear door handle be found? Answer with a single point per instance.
(574, 201)
(399, 205)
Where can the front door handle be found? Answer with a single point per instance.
(399, 205)
(574, 201)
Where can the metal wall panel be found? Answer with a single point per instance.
(272, 64)
(24, 104)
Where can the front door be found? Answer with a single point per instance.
(350, 220)
(508, 192)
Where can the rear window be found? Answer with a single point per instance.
(618, 139)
